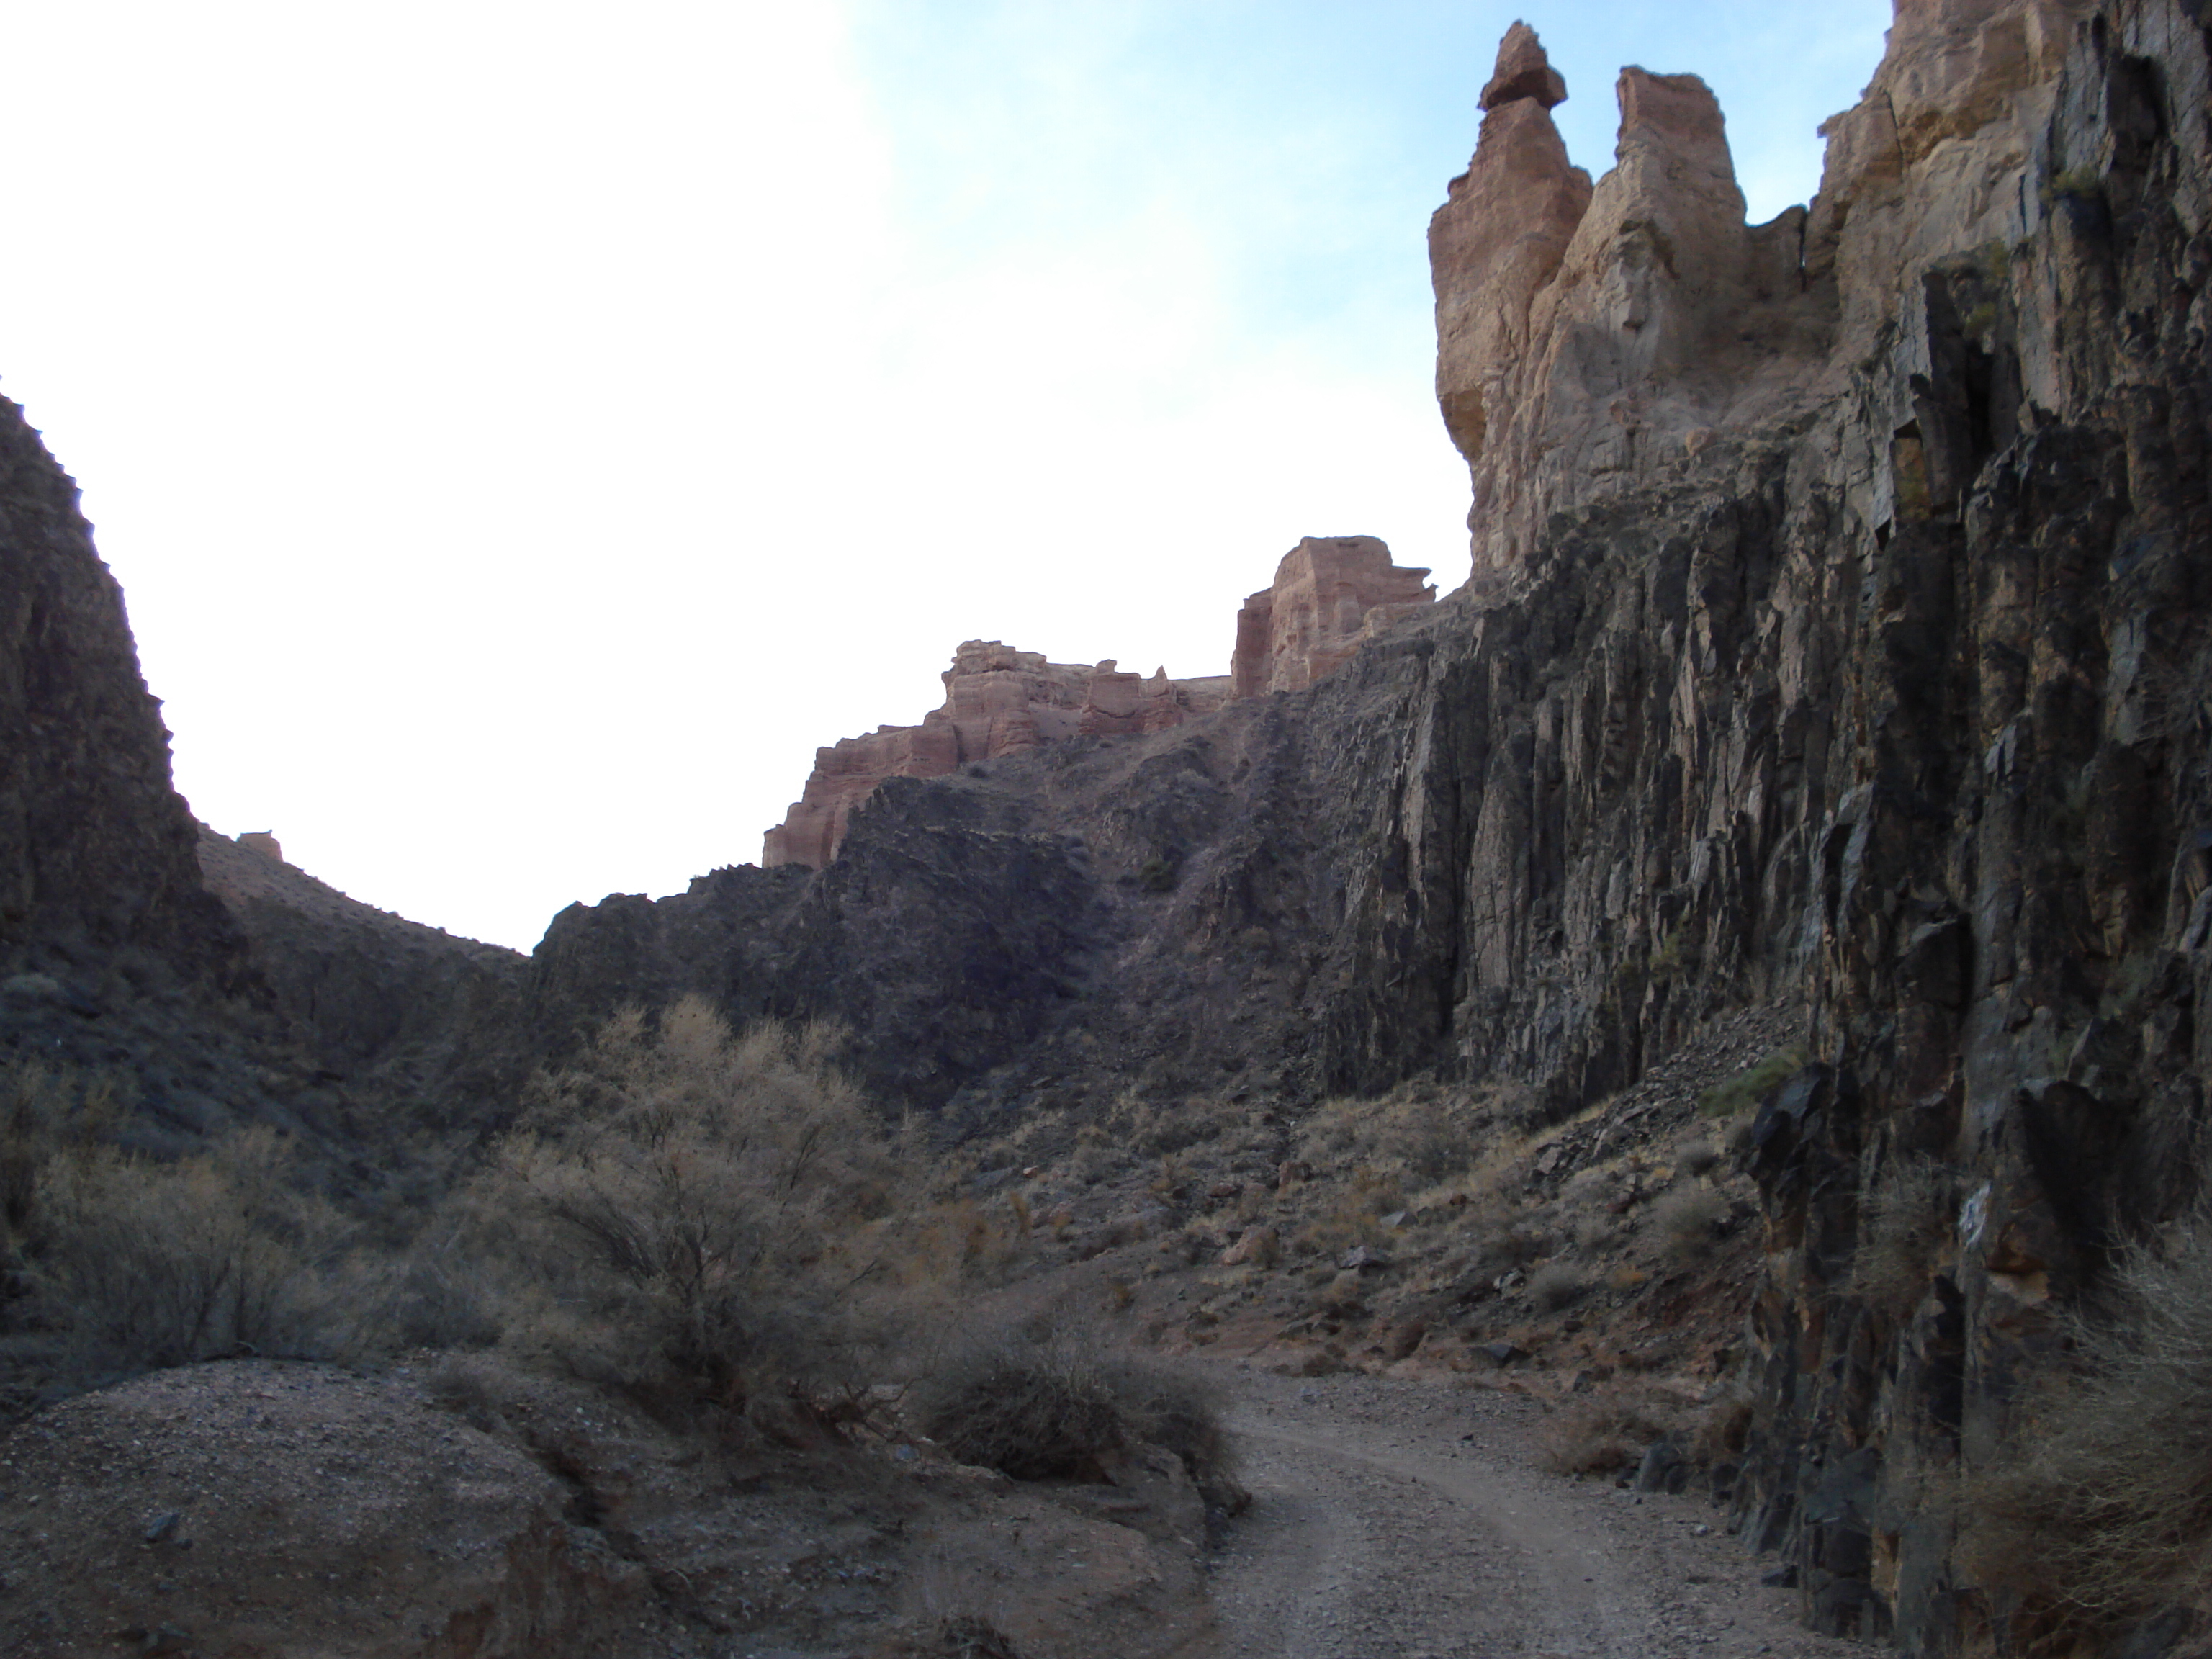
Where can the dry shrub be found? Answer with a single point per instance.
(133, 1264)
(1906, 1223)
(1696, 1157)
(1047, 1402)
(1352, 1215)
(1163, 1130)
(1421, 1137)
(698, 1219)
(1556, 1285)
(1685, 1218)
(1722, 1430)
(2109, 1510)
(1602, 1434)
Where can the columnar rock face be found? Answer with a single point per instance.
(1840, 620)
(998, 702)
(1330, 595)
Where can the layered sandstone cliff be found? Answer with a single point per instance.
(1331, 594)
(998, 702)
(1590, 337)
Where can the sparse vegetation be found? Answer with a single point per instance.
(1558, 1285)
(122, 1263)
(2109, 1511)
(1696, 1157)
(1748, 1087)
(1600, 1435)
(694, 1217)
(1685, 1218)
(1904, 1224)
(1049, 1403)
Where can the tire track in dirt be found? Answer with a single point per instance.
(1397, 1522)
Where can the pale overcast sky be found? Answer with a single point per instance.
(524, 432)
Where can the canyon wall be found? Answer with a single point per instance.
(1839, 637)
(96, 847)
(1842, 635)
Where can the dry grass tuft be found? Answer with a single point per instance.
(1685, 1218)
(1603, 1434)
(1556, 1285)
(1419, 1138)
(1904, 1228)
(2110, 1513)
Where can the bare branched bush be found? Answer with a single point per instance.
(1906, 1221)
(2109, 1512)
(1050, 1402)
(696, 1217)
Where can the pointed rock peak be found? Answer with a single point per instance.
(1523, 71)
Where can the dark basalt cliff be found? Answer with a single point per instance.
(96, 847)
(1841, 638)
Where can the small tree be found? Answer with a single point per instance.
(697, 1214)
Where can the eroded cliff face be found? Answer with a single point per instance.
(998, 702)
(199, 1000)
(1330, 596)
(1892, 692)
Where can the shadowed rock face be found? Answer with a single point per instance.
(1860, 666)
(95, 848)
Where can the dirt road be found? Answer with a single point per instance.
(1396, 1521)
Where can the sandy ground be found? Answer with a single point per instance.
(1407, 1521)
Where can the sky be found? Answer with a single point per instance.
(524, 430)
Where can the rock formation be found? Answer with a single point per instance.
(1589, 337)
(998, 702)
(1330, 595)
(1838, 640)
